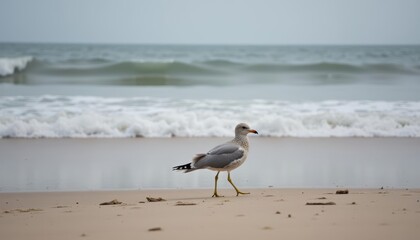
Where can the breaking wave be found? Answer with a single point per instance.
(9, 66)
(84, 117)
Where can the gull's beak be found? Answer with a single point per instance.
(253, 131)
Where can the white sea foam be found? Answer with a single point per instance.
(57, 117)
(9, 66)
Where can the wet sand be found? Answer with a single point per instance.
(146, 163)
(192, 214)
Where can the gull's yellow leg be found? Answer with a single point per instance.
(215, 185)
(237, 190)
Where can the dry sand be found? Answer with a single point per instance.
(193, 214)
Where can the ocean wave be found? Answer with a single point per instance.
(133, 72)
(328, 67)
(85, 117)
(222, 63)
(160, 67)
(9, 66)
(214, 72)
(207, 65)
(135, 68)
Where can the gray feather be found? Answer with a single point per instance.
(220, 156)
(224, 149)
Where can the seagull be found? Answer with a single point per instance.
(224, 157)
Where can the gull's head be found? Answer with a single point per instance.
(243, 129)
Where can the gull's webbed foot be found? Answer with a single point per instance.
(216, 195)
(242, 193)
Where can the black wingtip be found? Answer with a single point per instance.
(182, 167)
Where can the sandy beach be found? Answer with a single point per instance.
(192, 214)
(53, 188)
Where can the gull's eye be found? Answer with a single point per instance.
(243, 127)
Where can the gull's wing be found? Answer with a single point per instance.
(219, 157)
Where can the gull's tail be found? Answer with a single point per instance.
(187, 167)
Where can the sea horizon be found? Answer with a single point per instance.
(210, 44)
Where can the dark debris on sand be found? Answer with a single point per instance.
(342, 192)
(185, 203)
(113, 202)
(151, 199)
(23, 210)
(320, 203)
(155, 229)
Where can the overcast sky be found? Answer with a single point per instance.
(211, 21)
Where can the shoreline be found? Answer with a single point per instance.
(146, 163)
(190, 214)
